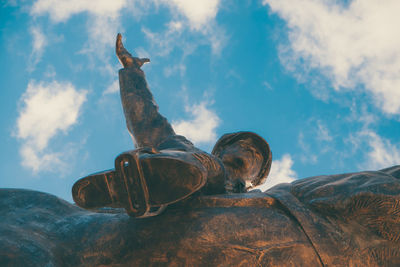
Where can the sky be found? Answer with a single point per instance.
(318, 79)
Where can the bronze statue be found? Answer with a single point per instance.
(348, 219)
(166, 167)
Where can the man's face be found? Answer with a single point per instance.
(242, 160)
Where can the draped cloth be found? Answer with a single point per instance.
(350, 219)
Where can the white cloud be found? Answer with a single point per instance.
(315, 140)
(62, 10)
(307, 156)
(104, 21)
(39, 42)
(37, 161)
(112, 88)
(267, 86)
(173, 37)
(201, 128)
(196, 16)
(381, 152)
(361, 115)
(323, 132)
(281, 172)
(167, 40)
(198, 13)
(10, 3)
(142, 53)
(352, 45)
(102, 25)
(102, 32)
(176, 68)
(105, 16)
(48, 109)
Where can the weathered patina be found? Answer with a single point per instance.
(333, 220)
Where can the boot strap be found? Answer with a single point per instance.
(128, 166)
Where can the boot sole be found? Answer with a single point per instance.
(139, 185)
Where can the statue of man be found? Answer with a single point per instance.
(350, 219)
(166, 167)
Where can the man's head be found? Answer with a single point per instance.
(246, 157)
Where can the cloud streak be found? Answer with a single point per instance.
(47, 110)
(354, 46)
(62, 10)
(39, 42)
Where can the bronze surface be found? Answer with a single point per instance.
(168, 167)
(333, 220)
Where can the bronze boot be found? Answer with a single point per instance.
(144, 184)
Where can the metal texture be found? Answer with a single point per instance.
(332, 220)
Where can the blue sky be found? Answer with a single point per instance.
(319, 80)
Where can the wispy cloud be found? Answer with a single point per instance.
(201, 128)
(323, 133)
(112, 88)
(62, 10)
(379, 152)
(166, 41)
(39, 42)
(195, 17)
(198, 13)
(47, 110)
(200, 16)
(315, 140)
(308, 155)
(267, 86)
(105, 15)
(102, 25)
(375, 151)
(104, 21)
(179, 68)
(382, 152)
(281, 172)
(354, 46)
